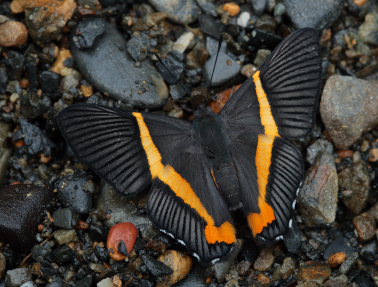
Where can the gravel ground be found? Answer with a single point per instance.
(158, 55)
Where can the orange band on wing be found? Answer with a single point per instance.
(181, 187)
(257, 221)
(266, 115)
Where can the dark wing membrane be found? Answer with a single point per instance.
(291, 78)
(108, 141)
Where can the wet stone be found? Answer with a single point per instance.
(172, 67)
(75, 191)
(317, 14)
(264, 261)
(35, 139)
(314, 271)
(368, 30)
(21, 208)
(64, 218)
(108, 68)
(348, 108)
(317, 198)
(365, 226)
(354, 185)
(17, 277)
(49, 81)
(179, 11)
(155, 267)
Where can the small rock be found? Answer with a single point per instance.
(13, 33)
(3, 264)
(365, 226)
(85, 282)
(70, 82)
(356, 181)
(122, 234)
(348, 108)
(93, 30)
(373, 155)
(49, 81)
(261, 56)
(41, 253)
(64, 218)
(317, 198)
(121, 209)
(63, 254)
(107, 282)
(5, 152)
(183, 42)
(21, 208)
(368, 30)
(340, 281)
(179, 11)
(316, 148)
(60, 65)
(259, 6)
(288, 268)
(180, 263)
(155, 267)
(17, 277)
(369, 252)
(336, 259)
(29, 284)
(231, 8)
(210, 26)
(75, 191)
(138, 46)
(317, 14)
(243, 19)
(172, 67)
(314, 271)
(108, 68)
(264, 261)
(63, 236)
(46, 21)
(338, 245)
(348, 264)
(35, 139)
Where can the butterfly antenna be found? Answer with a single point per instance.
(216, 58)
(187, 92)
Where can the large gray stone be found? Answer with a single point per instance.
(349, 107)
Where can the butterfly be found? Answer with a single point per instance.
(198, 171)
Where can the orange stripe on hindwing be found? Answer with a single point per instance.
(181, 187)
(257, 221)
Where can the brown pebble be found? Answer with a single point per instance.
(13, 33)
(360, 2)
(314, 271)
(336, 259)
(344, 153)
(180, 263)
(58, 66)
(365, 226)
(18, 6)
(373, 155)
(86, 90)
(248, 70)
(262, 278)
(264, 261)
(232, 8)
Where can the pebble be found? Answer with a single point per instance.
(47, 24)
(107, 282)
(180, 263)
(348, 264)
(339, 281)
(3, 264)
(317, 14)
(316, 148)
(109, 69)
(42, 252)
(121, 235)
(13, 33)
(5, 152)
(368, 30)
(17, 277)
(259, 6)
(138, 46)
(365, 226)
(338, 245)
(64, 218)
(21, 208)
(264, 261)
(179, 11)
(121, 209)
(29, 284)
(75, 191)
(231, 8)
(183, 42)
(354, 184)
(63, 236)
(172, 67)
(156, 267)
(336, 259)
(35, 139)
(288, 268)
(261, 56)
(348, 108)
(59, 66)
(369, 252)
(243, 19)
(318, 196)
(70, 82)
(314, 271)
(63, 254)
(49, 81)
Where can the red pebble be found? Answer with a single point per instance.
(126, 232)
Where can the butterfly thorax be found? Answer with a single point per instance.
(210, 134)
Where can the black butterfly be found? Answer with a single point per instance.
(197, 170)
